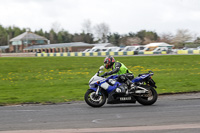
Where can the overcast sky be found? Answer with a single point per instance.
(122, 16)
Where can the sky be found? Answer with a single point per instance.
(122, 16)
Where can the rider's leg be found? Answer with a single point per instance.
(129, 77)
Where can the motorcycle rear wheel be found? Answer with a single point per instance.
(148, 99)
(94, 101)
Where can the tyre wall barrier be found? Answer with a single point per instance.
(96, 53)
(188, 52)
(114, 53)
(151, 52)
(84, 54)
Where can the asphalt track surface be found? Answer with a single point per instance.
(170, 114)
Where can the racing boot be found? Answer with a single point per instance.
(131, 87)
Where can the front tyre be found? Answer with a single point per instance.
(94, 100)
(149, 98)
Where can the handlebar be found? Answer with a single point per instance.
(151, 73)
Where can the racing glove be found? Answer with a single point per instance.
(105, 74)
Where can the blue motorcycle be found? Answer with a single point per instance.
(116, 91)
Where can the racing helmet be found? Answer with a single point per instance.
(108, 62)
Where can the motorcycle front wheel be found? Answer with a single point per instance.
(149, 98)
(94, 100)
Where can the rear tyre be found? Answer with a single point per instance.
(94, 100)
(149, 98)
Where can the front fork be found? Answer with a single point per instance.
(97, 92)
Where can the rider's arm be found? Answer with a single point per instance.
(117, 68)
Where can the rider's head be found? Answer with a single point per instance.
(108, 62)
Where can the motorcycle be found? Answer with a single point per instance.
(115, 91)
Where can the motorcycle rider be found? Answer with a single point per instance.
(118, 68)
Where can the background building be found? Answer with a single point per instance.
(4, 49)
(24, 40)
(60, 47)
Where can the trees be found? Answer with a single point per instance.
(56, 27)
(40, 32)
(102, 31)
(182, 36)
(166, 37)
(82, 37)
(3, 36)
(127, 40)
(7, 33)
(99, 31)
(87, 26)
(53, 36)
(142, 37)
(114, 38)
(147, 36)
(197, 40)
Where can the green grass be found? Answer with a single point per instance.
(62, 79)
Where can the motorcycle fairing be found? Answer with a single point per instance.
(140, 78)
(110, 88)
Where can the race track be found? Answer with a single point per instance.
(171, 113)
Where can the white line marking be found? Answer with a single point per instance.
(113, 129)
(96, 120)
(118, 116)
